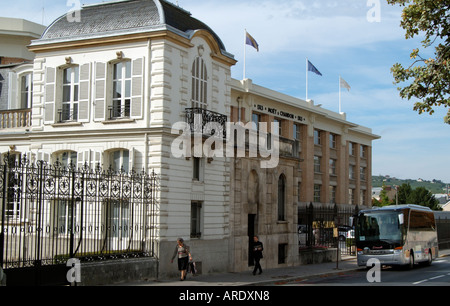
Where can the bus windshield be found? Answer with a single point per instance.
(379, 227)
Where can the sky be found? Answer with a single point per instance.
(359, 40)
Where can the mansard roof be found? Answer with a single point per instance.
(124, 17)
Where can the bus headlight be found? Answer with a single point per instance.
(398, 251)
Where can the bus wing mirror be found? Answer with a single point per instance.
(351, 221)
(401, 218)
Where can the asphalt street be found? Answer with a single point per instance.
(438, 274)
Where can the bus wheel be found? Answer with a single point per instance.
(411, 260)
(430, 258)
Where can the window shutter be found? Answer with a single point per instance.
(131, 160)
(50, 93)
(100, 92)
(137, 88)
(83, 108)
(13, 95)
(43, 156)
(89, 158)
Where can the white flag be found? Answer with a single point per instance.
(344, 84)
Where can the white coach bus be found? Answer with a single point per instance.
(396, 235)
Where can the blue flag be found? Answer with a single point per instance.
(312, 68)
(251, 41)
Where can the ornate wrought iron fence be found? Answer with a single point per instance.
(50, 213)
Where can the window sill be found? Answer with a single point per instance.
(282, 222)
(119, 121)
(66, 124)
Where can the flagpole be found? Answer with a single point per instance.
(245, 49)
(340, 95)
(306, 79)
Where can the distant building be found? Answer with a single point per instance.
(16, 68)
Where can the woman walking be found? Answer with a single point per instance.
(182, 250)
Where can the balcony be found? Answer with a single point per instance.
(206, 122)
(15, 119)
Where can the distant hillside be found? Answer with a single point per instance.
(434, 186)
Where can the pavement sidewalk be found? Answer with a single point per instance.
(269, 277)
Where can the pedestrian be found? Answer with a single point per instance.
(257, 254)
(184, 255)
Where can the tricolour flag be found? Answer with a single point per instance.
(312, 68)
(251, 41)
(344, 84)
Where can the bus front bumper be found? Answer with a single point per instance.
(387, 257)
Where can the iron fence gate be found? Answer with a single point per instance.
(326, 226)
(51, 213)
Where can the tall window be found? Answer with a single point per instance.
(317, 191)
(118, 219)
(332, 166)
(196, 209)
(297, 131)
(351, 172)
(197, 174)
(281, 198)
(71, 87)
(256, 118)
(121, 90)
(26, 91)
(363, 151)
(351, 196)
(332, 190)
(332, 141)
(199, 84)
(317, 162)
(317, 138)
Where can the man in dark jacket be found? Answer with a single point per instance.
(257, 254)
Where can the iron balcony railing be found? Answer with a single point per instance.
(206, 122)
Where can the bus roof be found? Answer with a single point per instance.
(398, 207)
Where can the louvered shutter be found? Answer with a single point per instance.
(84, 102)
(100, 92)
(50, 95)
(137, 88)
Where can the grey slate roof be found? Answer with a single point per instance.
(124, 17)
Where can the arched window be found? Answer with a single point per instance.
(281, 198)
(119, 160)
(66, 158)
(199, 84)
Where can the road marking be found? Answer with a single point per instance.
(428, 279)
(436, 277)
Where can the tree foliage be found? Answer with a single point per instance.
(426, 79)
(419, 196)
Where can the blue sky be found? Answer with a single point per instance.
(337, 37)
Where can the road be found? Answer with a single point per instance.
(438, 274)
